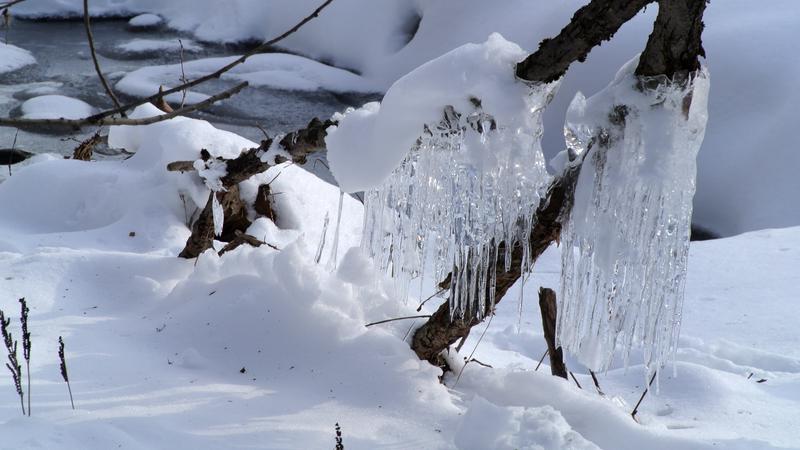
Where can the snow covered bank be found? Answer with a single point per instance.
(266, 348)
(14, 58)
(56, 107)
(274, 70)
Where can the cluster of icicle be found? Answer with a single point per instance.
(468, 185)
(626, 244)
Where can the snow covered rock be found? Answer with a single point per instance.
(14, 58)
(145, 22)
(157, 46)
(56, 107)
(273, 70)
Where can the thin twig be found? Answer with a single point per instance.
(575, 380)
(11, 153)
(461, 372)
(10, 4)
(183, 75)
(124, 121)
(424, 316)
(87, 24)
(647, 388)
(541, 360)
(419, 308)
(596, 384)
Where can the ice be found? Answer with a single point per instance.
(13, 58)
(469, 187)
(625, 246)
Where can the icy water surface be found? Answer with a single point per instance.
(65, 67)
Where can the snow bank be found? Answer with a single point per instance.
(274, 70)
(145, 22)
(486, 425)
(139, 46)
(13, 58)
(56, 107)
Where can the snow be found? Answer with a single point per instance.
(473, 72)
(158, 45)
(143, 21)
(13, 58)
(155, 344)
(627, 240)
(274, 70)
(55, 107)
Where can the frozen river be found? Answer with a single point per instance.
(65, 67)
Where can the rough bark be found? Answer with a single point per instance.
(548, 307)
(589, 27)
(676, 41)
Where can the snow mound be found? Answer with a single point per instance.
(56, 107)
(13, 58)
(486, 426)
(145, 46)
(145, 21)
(273, 70)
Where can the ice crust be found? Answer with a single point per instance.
(473, 177)
(626, 244)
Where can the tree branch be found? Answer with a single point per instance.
(90, 37)
(76, 123)
(676, 41)
(589, 27)
(10, 4)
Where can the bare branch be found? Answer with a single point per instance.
(90, 37)
(76, 123)
(10, 4)
(590, 26)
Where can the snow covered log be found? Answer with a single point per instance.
(224, 175)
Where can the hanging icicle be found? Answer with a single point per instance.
(452, 167)
(469, 185)
(625, 247)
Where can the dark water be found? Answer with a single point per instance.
(65, 66)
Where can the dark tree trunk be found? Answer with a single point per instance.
(547, 304)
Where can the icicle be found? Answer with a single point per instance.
(333, 261)
(625, 247)
(322, 238)
(468, 185)
(217, 213)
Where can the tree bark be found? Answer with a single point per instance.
(547, 304)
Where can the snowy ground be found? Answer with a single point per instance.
(267, 349)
